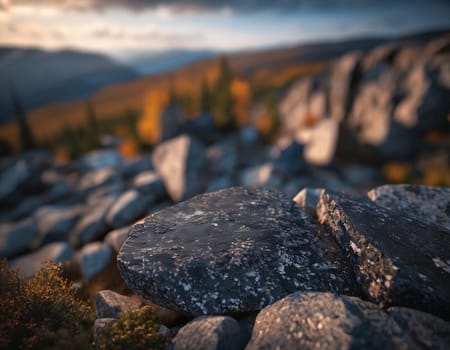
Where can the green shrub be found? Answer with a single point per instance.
(135, 329)
(42, 311)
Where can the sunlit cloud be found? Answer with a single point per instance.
(114, 25)
(213, 5)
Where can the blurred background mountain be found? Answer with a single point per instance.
(73, 74)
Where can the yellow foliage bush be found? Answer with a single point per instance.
(134, 330)
(42, 312)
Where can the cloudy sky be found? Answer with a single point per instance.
(114, 26)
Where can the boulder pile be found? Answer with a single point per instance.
(254, 271)
(241, 244)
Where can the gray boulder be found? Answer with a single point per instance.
(235, 250)
(150, 183)
(128, 208)
(322, 143)
(95, 179)
(92, 225)
(223, 158)
(311, 320)
(203, 128)
(112, 304)
(100, 159)
(22, 209)
(425, 105)
(290, 160)
(397, 260)
(209, 333)
(219, 183)
(181, 162)
(342, 85)
(13, 177)
(15, 238)
(98, 195)
(423, 203)
(294, 106)
(55, 222)
(425, 329)
(132, 167)
(116, 238)
(22, 173)
(307, 199)
(172, 120)
(93, 258)
(378, 60)
(262, 175)
(29, 264)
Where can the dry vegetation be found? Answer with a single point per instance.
(42, 312)
(254, 74)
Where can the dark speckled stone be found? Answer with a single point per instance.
(397, 260)
(327, 321)
(234, 250)
(424, 203)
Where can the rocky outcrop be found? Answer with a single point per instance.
(17, 238)
(397, 260)
(231, 253)
(428, 204)
(322, 142)
(234, 250)
(385, 101)
(182, 164)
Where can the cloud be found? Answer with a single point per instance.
(108, 33)
(213, 5)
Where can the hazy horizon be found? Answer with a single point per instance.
(118, 28)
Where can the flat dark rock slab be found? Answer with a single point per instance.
(424, 203)
(234, 250)
(397, 260)
(310, 320)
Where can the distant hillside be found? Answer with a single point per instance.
(263, 69)
(158, 62)
(251, 61)
(41, 77)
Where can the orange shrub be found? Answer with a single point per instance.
(149, 125)
(241, 92)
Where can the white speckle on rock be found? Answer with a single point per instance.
(355, 248)
(440, 264)
(186, 286)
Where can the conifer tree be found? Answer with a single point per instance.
(223, 100)
(271, 103)
(93, 129)
(26, 136)
(205, 96)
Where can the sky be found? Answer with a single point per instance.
(118, 26)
